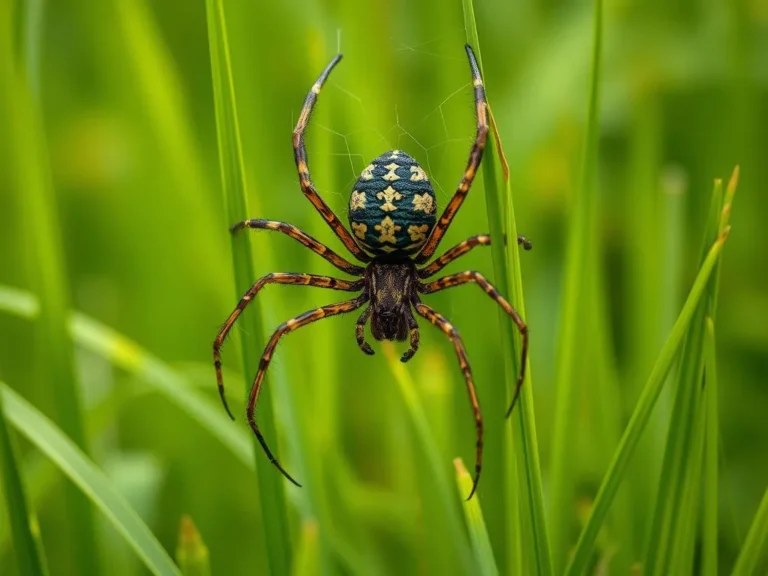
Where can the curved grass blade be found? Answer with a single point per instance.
(473, 514)
(32, 183)
(126, 354)
(432, 454)
(85, 475)
(641, 415)
(531, 526)
(756, 543)
(28, 556)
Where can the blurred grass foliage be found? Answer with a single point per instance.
(116, 272)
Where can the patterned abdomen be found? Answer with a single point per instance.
(392, 209)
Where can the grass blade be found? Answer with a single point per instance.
(756, 543)
(576, 314)
(271, 495)
(58, 390)
(666, 536)
(473, 514)
(129, 356)
(28, 557)
(641, 415)
(431, 453)
(709, 513)
(306, 562)
(191, 552)
(85, 475)
(532, 525)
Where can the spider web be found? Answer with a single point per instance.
(452, 118)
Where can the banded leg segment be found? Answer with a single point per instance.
(360, 331)
(456, 252)
(479, 279)
(305, 239)
(475, 155)
(274, 278)
(282, 330)
(300, 156)
(441, 322)
(413, 328)
(462, 248)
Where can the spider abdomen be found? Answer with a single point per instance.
(392, 209)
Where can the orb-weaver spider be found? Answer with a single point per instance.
(392, 214)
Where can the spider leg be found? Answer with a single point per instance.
(440, 321)
(414, 329)
(305, 239)
(300, 155)
(283, 329)
(360, 331)
(457, 251)
(479, 279)
(462, 248)
(274, 278)
(475, 155)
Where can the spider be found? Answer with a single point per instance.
(392, 214)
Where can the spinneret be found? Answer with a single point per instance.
(392, 215)
(392, 209)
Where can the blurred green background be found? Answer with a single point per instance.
(127, 141)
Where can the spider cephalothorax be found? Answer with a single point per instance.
(395, 230)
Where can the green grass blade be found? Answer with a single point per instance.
(502, 500)
(473, 514)
(85, 475)
(667, 535)
(576, 313)
(709, 547)
(55, 384)
(531, 526)
(306, 562)
(271, 483)
(191, 552)
(755, 544)
(438, 469)
(641, 415)
(28, 557)
(129, 356)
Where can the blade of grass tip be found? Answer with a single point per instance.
(271, 495)
(306, 561)
(709, 513)
(639, 420)
(432, 455)
(85, 475)
(665, 535)
(25, 548)
(129, 356)
(473, 514)
(20, 117)
(534, 528)
(191, 552)
(756, 543)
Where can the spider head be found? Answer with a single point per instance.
(389, 325)
(390, 288)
